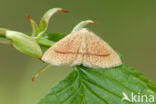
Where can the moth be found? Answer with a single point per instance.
(82, 47)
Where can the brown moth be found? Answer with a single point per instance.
(82, 47)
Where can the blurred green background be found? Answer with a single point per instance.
(129, 26)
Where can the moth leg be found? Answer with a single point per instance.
(45, 68)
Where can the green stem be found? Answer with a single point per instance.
(44, 42)
(5, 41)
(3, 32)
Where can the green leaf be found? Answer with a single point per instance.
(82, 24)
(35, 29)
(55, 36)
(38, 31)
(100, 86)
(46, 18)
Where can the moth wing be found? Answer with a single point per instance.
(99, 53)
(65, 51)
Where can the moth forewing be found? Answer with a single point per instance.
(82, 47)
(99, 53)
(65, 51)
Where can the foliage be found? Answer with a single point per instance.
(99, 86)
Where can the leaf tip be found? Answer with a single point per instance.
(94, 22)
(64, 11)
(29, 18)
(33, 79)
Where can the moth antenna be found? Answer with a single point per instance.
(43, 70)
(82, 24)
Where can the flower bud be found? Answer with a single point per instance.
(23, 43)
